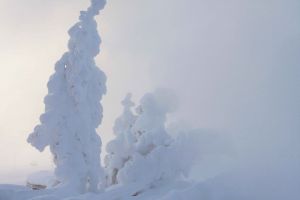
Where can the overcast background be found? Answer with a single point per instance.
(235, 65)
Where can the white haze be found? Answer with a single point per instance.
(234, 64)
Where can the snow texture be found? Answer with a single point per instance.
(142, 144)
(120, 149)
(72, 108)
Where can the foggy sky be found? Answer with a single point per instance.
(234, 64)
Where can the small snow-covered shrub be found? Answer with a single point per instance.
(120, 149)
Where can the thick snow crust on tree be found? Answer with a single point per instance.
(143, 152)
(121, 148)
(72, 107)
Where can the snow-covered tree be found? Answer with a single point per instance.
(151, 158)
(72, 108)
(149, 161)
(149, 128)
(120, 149)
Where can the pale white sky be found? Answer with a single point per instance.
(233, 63)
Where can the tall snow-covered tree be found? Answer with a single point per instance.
(72, 108)
(120, 149)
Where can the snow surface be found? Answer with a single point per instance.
(233, 185)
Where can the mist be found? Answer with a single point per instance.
(234, 65)
(235, 68)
